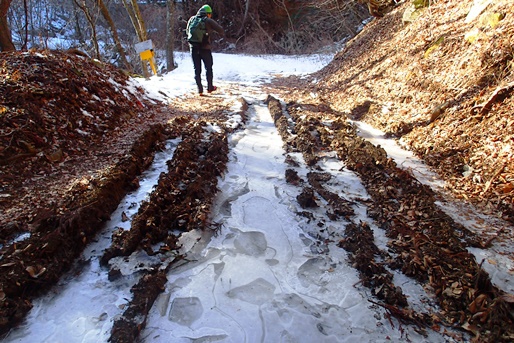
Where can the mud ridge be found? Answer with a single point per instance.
(127, 328)
(181, 202)
(33, 265)
(428, 244)
(358, 238)
(358, 242)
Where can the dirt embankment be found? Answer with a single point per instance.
(444, 84)
(75, 137)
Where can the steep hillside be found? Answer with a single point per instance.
(443, 85)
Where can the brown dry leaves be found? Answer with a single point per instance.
(435, 101)
(61, 116)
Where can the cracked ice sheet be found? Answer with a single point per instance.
(258, 281)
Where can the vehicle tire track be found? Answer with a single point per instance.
(181, 202)
(426, 243)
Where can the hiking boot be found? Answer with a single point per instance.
(212, 89)
(200, 94)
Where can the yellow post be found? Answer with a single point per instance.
(145, 51)
(148, 55)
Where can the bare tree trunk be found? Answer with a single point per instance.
(78, 29)
(245, 16)
(6, 43)
(139, 18)
(4, 7)
(25, 8)
(133, 19)
(139, 25)
(110, 22)
(170, 34)
(136, 19)
(82, 5)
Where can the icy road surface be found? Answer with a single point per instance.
(265, 277)
(269, 275)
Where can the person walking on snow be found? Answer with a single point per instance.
(201, 51)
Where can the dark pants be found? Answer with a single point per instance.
(198, 56)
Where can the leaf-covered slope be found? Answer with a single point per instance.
(52, 97)
(443, 84)
(57, 110)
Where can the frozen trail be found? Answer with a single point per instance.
(258, 281)
(269, 275)
(274, 271)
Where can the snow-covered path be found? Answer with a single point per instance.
(260, 280)
(268, 275)
(82, 306)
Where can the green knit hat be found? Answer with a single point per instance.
(206, 8)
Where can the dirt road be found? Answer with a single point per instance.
(270, 221)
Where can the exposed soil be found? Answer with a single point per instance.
(76, 134)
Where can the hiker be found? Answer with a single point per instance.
(199, 29)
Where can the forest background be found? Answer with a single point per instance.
(108, 29)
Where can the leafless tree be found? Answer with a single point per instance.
(92, 22)
(25, 9)
(258, 26)
(6, 43)
(114, 32)
(135, 17)
(170, 34)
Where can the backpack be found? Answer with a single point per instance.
(195, 29)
